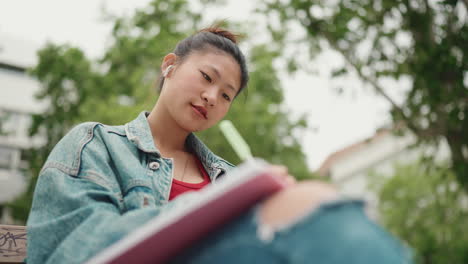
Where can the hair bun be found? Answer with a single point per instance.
(221, 32)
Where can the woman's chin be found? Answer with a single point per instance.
(192, 127)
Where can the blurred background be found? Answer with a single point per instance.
(369, 95)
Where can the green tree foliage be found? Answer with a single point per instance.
(428, 209)
(115, 88)
(420, 40)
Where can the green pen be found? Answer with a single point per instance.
(236, 141)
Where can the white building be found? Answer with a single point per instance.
(349, 168)
(17, 102)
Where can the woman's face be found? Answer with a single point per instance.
(198, 92)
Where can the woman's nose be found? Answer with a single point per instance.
(209, 97)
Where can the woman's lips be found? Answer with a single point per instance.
(200, 110)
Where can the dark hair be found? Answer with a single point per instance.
(212, 37)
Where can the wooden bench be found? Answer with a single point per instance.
(12, 244)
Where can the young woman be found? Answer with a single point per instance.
(101, 182)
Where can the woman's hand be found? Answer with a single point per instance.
(282, 173)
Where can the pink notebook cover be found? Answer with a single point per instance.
(157, 241)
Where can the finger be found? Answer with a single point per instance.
(279, 169)
(290, 180)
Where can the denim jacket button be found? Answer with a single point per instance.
(154, 165)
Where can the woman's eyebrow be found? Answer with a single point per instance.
(219, 76)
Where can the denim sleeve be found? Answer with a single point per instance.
(72, 219)
(77, 209)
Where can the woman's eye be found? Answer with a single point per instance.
(206, 76)
(225, 96)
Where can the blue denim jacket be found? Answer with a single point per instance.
(98, 184)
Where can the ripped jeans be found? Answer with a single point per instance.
(336, 232)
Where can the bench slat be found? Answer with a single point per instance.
(12, 244)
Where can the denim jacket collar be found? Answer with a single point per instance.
(138, 131)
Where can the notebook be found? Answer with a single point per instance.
(229, 197)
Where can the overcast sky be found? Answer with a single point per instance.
(335, 121)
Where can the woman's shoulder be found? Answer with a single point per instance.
(85, 132)
(67, 153)
(91, 129)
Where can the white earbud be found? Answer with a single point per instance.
(167, 70)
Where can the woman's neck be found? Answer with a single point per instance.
(168, 136)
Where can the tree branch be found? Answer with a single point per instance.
(380, 90)
(422, 133)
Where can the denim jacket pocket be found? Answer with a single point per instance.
(139, 194)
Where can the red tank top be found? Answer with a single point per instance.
(179, 187)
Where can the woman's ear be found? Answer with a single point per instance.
(167, 70)
(168, 63)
